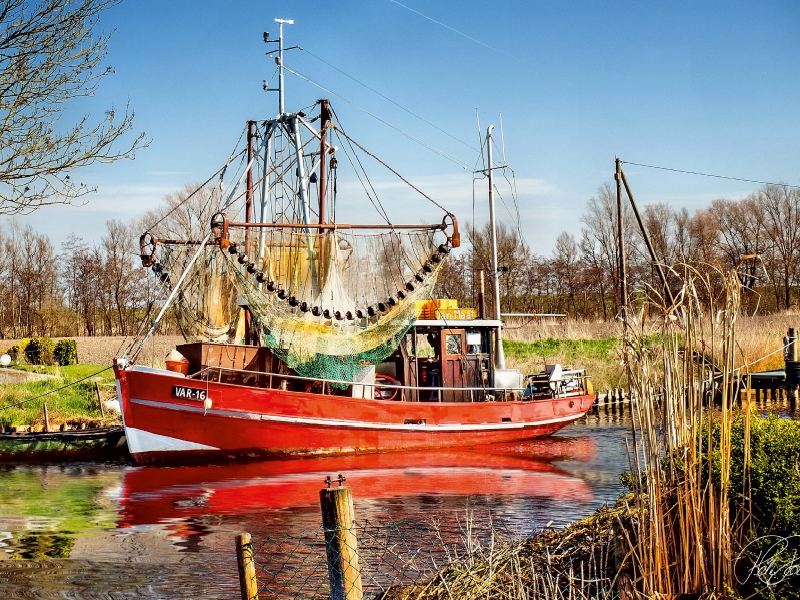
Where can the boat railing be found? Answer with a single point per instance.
(496, 393)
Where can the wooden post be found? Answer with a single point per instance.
(623, 283)
(46, 419)
(247, 567)
(99, 401)
(792, 389)
(341, 544)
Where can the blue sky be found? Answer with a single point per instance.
(704, 86)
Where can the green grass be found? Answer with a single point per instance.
(549, 348)
(601, 357)
(75, 403)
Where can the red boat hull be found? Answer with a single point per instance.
(254, 422)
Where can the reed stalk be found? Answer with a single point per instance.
(685, 386)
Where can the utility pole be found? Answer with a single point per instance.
(623, 283)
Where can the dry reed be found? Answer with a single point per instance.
(685, 540)
(576, 563)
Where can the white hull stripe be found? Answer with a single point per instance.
(144, 441)
(356, 424)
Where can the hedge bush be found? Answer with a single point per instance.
(17, 351)
(66, 352)
(39, 351)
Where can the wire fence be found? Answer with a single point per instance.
(299, 566)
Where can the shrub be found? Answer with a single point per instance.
(66, 352)
(39, 351)
(774, 473)
(17, 351)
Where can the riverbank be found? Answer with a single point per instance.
(73, 395)
(597, 347)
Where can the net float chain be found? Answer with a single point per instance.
(370, 311)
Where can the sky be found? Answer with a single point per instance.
(701, 86)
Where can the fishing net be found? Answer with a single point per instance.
(329, 304)
(206, 307)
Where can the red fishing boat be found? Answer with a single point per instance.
(307, 335)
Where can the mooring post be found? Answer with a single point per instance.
(46, 419)
(99, 401)
(792, 369)
(247, 567)
(341, 543)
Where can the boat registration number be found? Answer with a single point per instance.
(187, 393)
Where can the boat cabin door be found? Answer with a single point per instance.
(454, 364)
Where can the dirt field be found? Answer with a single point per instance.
(102, 350)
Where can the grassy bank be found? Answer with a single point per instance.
(597, 347)
(74, 404)
(600, 357)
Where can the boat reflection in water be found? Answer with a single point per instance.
(171, 496)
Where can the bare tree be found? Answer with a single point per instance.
(781, 207)
(565, 263)
(599, 239)
(49, 56)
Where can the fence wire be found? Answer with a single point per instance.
(294, 566)
(451, 558)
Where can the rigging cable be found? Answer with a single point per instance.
(378, 207)
(363, 170)
(472, 39)
(452, 159)
(200, 187)
(403, 179)
(460, 141)
(709, 175)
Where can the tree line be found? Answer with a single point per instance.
(759, 235)
(79, 289)
(101, 289)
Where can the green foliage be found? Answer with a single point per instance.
(66, 352)
(774, 473)
(39, 351)
(63, 503)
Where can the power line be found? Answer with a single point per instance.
(709, 175)
(460, 141)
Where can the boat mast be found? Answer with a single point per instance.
(325, 115)
(500, 357)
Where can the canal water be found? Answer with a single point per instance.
(113, 530)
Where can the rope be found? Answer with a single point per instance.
(200, 187)
(782, 348)
(63, 387)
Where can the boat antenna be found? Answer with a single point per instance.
(500, 357)
(279, 60)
